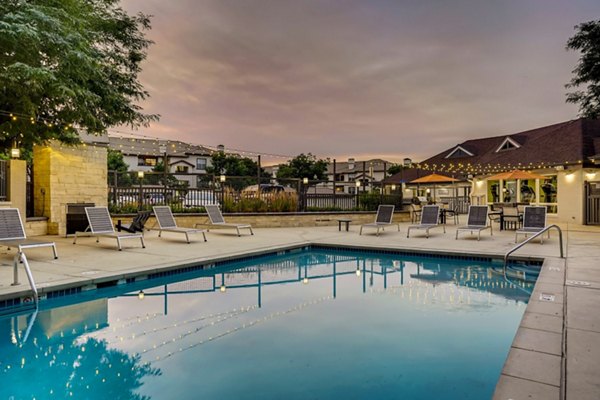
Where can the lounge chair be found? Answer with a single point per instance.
(476, 221)
(166, 223)
(216, 219)
(384, 216)
(100, 225)
(12, 233)
(534, 220)
(136, 225)
(415, 213)
(429, 220)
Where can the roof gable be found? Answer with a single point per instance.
(459, 152)
(508, 144)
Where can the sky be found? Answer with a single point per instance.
(356, 78)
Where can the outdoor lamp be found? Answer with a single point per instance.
(222, 178)
(305, 280)
(141, 295)
(222, 288)
(357, 183)
(305, 181)
(15, 152)
(357, 271)
(393, 187)
(140, 174)
(427, 190)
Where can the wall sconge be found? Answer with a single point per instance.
(393, 187)
(357, 271)
(590, 175)
(305, 181)
(141, 295)
(559, 168)
(305, 281)
(140, 174)
(427, 190)
(222, 178)
(15, 152)
(570, 177)
(223, 288)
(357, 184)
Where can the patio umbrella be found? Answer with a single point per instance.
(433, 179)
(514, 175)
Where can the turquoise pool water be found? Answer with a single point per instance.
(310, 324)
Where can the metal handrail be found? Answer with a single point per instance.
(529, 239)
(21, 258)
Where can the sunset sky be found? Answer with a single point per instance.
(356, 78)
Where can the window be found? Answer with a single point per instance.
(146, 161)
(459, 152)
(183, 168)
(508, 144)
(201, 164)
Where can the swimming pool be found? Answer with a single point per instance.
(310, 324)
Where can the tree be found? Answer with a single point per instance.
(587, 71)
(304, 166)
(394, 169)
(115, 162)
(243, 168)
(69, 66)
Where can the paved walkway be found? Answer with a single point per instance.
(570, 326)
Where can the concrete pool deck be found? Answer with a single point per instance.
(555, 353)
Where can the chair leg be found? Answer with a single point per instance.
(75, 238)
(360, 232)
(187, 238)
(119, 244)
(142, 240)
(251, 232)
(54, 251)
(238, 231)
(204, 234)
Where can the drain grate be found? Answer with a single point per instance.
(578, 283)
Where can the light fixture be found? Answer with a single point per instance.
(305, 280)
(305, 181)
(559, 168)
(427, 190)
(222, 178)
(357, 183)
(141, 295)
(223, 288)
(15, 152)
(393, 187)
(357, 271)
(590, 175)
(140, 174)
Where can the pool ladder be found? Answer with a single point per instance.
(529, 239)
(20, 257)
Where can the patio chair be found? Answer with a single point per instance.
(384, 216)
(166, 223)
(415, 213)
(136, 225)
(216, 219)
(101, 225)
(12, 233)
(476, 221)
(429, 220)
(511, 218)
(534, 220)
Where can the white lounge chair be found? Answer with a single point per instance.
(216, 219)
(385, 214)
(101, 225)
(429, 219)
(477, 221)
(12, 233)
(534, 220)
(166, 223)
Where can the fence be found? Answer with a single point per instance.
(186, 192)
(3, 180)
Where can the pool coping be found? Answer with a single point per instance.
(535, 363)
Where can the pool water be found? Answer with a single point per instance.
(310, 324)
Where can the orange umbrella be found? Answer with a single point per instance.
(434, 178)
(514, 175)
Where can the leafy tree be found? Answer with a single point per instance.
(69, 66)
(587, 71)
(243, 169)
(304, 166)
(394, 169)
(115, 162)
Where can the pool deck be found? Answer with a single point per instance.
(555, 353)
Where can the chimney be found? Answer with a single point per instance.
(407, 162)
(351, 163)
(221, 148)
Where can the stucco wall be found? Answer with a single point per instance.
(571, 191)
(67, 174)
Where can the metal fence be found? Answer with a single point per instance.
(129, 193)
(3, 180)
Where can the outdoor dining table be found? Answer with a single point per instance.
(503, 225)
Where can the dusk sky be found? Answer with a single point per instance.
(349, 78)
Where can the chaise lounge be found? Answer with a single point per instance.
(385, 214)
(476, 221)
(101, 225)
(429, 220)
(166, 223)
(216, 219)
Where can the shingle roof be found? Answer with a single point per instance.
(344, 166)
(150, 147)
(571, 142)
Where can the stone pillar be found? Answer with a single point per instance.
(67, 174)
(17, 178)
